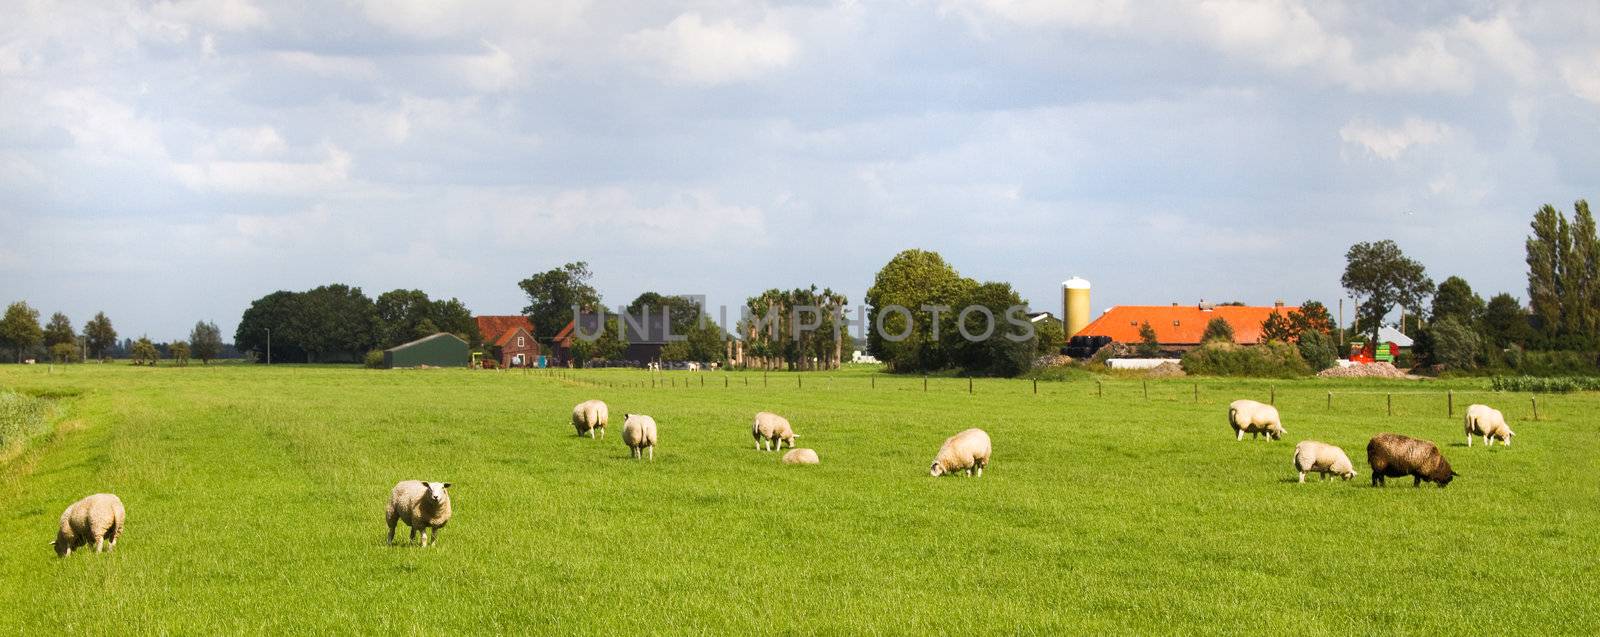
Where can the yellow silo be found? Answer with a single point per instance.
(1075, 305)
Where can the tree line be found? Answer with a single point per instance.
(23, 337)
(337, 323)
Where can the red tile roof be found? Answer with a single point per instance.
(1180, 324)
(495, 328)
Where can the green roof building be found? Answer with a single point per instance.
(440, 350)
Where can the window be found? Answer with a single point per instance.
(520, 342)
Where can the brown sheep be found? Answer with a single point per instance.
(1394, 456)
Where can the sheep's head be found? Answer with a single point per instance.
(1276, 432)
(436, 490)
(64, 544)
(1348, 474)
(935, 469)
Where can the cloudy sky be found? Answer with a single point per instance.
(171, 161)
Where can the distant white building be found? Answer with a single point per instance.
(859, 356)
(1388, 334)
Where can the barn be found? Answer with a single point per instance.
(1179, 327)
(440, 350)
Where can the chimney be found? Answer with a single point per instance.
(1278, 304)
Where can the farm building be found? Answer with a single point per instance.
(440, 350)
(1179, 327)
(646, 336)
(509, 340)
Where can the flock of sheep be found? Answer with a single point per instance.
(424, 507)
(1389, 455)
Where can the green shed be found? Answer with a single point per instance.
(440, 350)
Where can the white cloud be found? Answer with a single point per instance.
(1390, 142)
(225, 15)
(1582, 75)
(695, 51)
(267, 177)
(106, 128)
(692, 217)
(491, 71)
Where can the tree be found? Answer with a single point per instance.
(19, 330)
(1311, 317)
(407, 315)
(1149, 346)
(1379, 276)
(99, 335)
(609, 345)
(1505, 323)
(1218, 329)
(1455, 299)
(1455, 344)
(1051, 337)
(1317, 348)
(799, 328)
(180, 352)
(144, 352)
(1275, 328)
(63, 352)
(1544, 284)
(553, 294)
(275, 312)
(59, 330)
(1580, 278)
(898, 304)
(335, 319)
(987, 341)
(206, 341)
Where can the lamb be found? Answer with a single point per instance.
(801, 456)
(1394, 455)
(639, 433)
(590, 415)
(97, 518)
(967, 452)
(423, 506)
(1322, 458)
(770, 427)
(1249, 416)
(1488, 422)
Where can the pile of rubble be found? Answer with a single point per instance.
(1168, 369)
(1053, 360)
(1359, 370)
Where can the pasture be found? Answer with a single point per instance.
(255, 503)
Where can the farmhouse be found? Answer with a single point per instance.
(440, 350)
(1179, 327)
(509, 339)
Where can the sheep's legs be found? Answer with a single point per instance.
(980, 471)
(1240, 434)
(1469, 440)
(99, 544)
(652, 453)
(1487, 441)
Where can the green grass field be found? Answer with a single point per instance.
(255, 504)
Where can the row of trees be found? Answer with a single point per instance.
(22, 336)
(339, 323)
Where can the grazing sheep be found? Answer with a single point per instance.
(1248, 416)
(967, 452)
(1488, 422)
(590, 415)
(1394, 455)
(801, 456)
(97, 518)
(1322, 458)
(639, 433)
(423, 506)
(770, 427)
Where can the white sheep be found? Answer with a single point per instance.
(590, 415)
(423, 506)
(97, 518)
(639, 433)
(801, 456)
(1249, 416)
(967, 452)
(1486, 421)
(770, 427)
(1322, 458)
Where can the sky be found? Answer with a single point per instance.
(169, 162)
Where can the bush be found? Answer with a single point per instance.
(1317, 350)
(374, 359)
(21, 417)
(1455, 345)
(64, 353)
(1557, 385)
(1267, 360)
(1218, 329)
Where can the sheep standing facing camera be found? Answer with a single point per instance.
(423, 506)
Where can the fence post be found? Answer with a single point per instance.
(1390, 400)
(702, 380)
(1147, 390)
(1036, 386)
(1535, 400)
(1197, 392)
(763, 379)
(797, 378)
(1274, 399)
(969, 384)
(1099, 391)
(1330, 401)
(924, 382)
(874, 381)
(724, 381)
(1450, 402)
